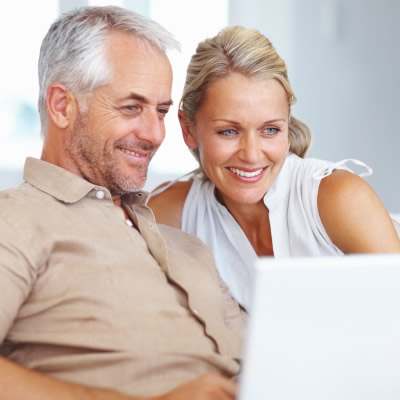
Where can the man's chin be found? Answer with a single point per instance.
(128, 186)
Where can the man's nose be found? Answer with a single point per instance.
(152, 128)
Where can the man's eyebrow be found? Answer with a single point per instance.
(167, 103)
(142, 99)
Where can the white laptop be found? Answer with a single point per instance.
(324, 328)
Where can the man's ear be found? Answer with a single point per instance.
(187, 131)
(60, 105)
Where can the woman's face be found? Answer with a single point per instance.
(241, 133)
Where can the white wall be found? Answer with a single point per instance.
(16, 141)
(343, 59)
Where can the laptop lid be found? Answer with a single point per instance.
(324, 328)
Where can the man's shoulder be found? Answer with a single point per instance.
(25, 209)
(24, 194)
(16, 196)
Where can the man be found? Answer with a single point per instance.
(97, 301)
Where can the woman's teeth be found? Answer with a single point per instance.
(244, 173)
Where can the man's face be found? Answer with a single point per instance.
(113, 142)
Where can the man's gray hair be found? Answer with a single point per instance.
(73, 51)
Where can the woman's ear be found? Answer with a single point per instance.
(187, 131)
(60, 105)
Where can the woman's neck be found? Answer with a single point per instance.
(254, 221)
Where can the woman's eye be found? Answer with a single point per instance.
(227, 132)
(271, 131)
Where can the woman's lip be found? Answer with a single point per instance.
(245, 169)
(247, 174)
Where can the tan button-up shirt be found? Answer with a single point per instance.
(89, 297)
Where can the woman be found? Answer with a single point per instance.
(254, 194)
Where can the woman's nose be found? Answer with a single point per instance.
(250, 149)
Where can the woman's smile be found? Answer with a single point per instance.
(241, 133)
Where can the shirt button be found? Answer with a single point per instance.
(129, 223)
(100, 194)
(150, 225)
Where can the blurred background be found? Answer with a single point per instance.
(342, 56)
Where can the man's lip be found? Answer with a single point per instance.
(132, 152)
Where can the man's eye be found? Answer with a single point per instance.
(131, 107)
(163, 111)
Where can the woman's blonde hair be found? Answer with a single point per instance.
(248, 52)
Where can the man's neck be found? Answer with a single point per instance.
(117, 200)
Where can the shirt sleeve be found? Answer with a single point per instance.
(16, 276)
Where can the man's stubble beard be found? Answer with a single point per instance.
(99, 165)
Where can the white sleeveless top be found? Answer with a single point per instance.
(295, 224)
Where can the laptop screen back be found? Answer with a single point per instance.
(324, 328)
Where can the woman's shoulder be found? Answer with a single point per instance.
(167, 205)
(353, 215)
(339, 187)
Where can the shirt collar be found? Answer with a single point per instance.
(56, 181)
(66, 186)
